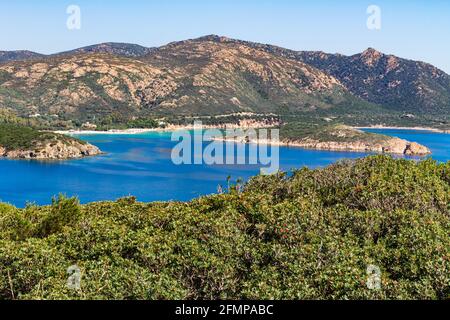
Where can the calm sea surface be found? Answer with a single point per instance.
(141, 165)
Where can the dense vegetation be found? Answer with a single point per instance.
(335, 132)
(15, 137)
(307, 235)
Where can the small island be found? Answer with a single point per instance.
(20, 142)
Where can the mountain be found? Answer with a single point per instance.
(114, 48)
(216, 78)
(77, 86)
(215, 75)
(188, 77)
(20, 55)
(399, 84)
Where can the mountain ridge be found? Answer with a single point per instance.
(219, 75)
(190, 78)
(141, 50)
(369, 76)
(116, 48)
(18, 55)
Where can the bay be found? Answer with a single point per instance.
(141, 165)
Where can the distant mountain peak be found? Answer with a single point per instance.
(371, 50)
(213, 38)
(371, 56)
(116, 48)
(6, 56)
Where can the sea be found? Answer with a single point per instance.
(142, 165)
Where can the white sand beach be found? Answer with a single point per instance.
(404, 128)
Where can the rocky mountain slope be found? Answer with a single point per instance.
(218, 75)
(190, 77)
(213, 77)
(77, 86)
(399, 84)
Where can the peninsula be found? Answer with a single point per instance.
(340, 138)
(19, 142)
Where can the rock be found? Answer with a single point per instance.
(416, 149)
(55, 150)
(395, 145)
(391, 146)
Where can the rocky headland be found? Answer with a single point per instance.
(339, 138)
(25, 143)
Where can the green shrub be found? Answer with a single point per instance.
(306, 235)
(63, 212)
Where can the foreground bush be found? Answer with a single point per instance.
(309, 235)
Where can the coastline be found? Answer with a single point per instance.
(392, 147)
(169, 128)
(406, 147)
(113, 131)
(405, 128)
(172, 128)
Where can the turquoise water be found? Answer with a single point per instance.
(141, 165)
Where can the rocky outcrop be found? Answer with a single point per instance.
(341, 137)
(54, 150)
(416, 149)
(391, 146)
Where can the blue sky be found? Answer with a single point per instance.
(415, 29)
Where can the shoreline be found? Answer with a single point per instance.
(381, 127)
(173, 128)
(333, 146)
(113, 131)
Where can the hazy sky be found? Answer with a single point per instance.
(415, 29)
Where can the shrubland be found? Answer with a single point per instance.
(307, 234)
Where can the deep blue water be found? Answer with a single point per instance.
(141, 165)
